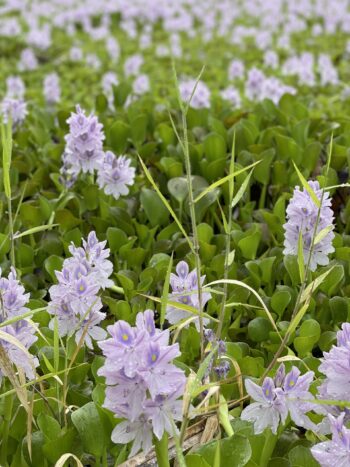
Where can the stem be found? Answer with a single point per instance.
(228, 244)
(104, 458)
(162, 452)
(262, 196)
(270, 443)
(12, 252)
(6, 429)
(194, 228)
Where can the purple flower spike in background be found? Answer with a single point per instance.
(15, 87)
(302, 215)
(185, 290)
(334, 453)
(14, 109)
(84, 150)
(197, 92)
(52, 91)
(143, 384)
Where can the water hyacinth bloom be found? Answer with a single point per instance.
(74, 300)
(335, 365)
(236, 70)
(132, 65)
(335, 452)
(200, 98)
(185, 290)
(14, 109)
(254, 83)
(28, 60)
(143, 384)
(302, 214)
(232, 95)
(109, 80)
(115, 175)
(113, 48)
(278, 397)
(15, 87)
(84, 150)
(13, 303)
(76, 54)
(52, 91)
(141, 85)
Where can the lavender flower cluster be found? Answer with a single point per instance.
(285, 394)
(184, 287)
(84, 153)
(143, 384)
(13, 105)
(303, 216)
(12, 304)
(74, 300)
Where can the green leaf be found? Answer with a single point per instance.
(234, 451)
(119, 133)
(88, 424)
(165, 293)
(300, 456)
(323, 233)
(48, 426)
(155, 210)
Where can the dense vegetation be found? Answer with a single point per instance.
(175, 233)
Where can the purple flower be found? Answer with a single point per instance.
(115, 175)
(201, 96)
(139, 431)
(113, 48)
(254, 83)
(335, 366)
(337, 451)
(302, 215)
(84, 151)
(266, 411)
(109, 80)
(12, 303)
(141, 85)
(231, 94)
(14, 109)
(278, 397)
(28, 60)
(15, 87)
(74, 300)
(185, 290)
(236, 70)
(76, 54)
(132, 65)
(52, 90)
(143, 384)
(40, 37)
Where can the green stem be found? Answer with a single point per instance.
(194, 226)
(262, 196)
(270, 443)
(162, 452)
(104, 458)
(6, 429)
(12, 252)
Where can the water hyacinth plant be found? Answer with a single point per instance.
(174, 233)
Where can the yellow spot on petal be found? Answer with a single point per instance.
(125, 337)
(154, 357)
